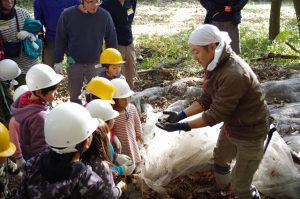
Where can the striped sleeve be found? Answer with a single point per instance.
(10, 35)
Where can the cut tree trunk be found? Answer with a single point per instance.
(297, 9)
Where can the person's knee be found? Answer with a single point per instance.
(220, 158)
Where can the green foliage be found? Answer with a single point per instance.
(255, 43)
(283, 36)
(156, 50)
(26, 4)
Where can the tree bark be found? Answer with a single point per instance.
(274, 22)
(297, 9)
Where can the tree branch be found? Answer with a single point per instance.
(272, 55)
(292, 47)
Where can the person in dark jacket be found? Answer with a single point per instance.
(31, 108)
(48, 12)
(226, 15)
(122, 13)
(231, 94)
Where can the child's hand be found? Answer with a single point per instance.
(140, 137)
(122, 159)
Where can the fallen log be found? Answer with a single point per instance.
(272, 56)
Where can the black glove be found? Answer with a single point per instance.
(173, 116)
(170, 127)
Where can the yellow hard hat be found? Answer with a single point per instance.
(7, 148)
(102, 88)
(111, 56)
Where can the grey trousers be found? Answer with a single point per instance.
(128, 69)
(77, 75)
(248, 155)
(234, 33)
(48, 54)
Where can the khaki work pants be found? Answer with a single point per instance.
(248, 155)
(128, 69)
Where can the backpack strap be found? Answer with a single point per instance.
(17, 22)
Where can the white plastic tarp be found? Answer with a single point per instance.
(170, 154)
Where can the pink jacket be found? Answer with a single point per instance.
(14, 132)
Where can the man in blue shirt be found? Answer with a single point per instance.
(122, 12)
(48, 12)
(80, 33)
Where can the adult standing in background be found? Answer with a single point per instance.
(226, 15)
(48, 12)
(11, 23)
(122, 12)
(80, 33)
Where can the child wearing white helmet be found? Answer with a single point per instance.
(127, 125)
(103, 110)
(14, 128)
(9, 70)
(59, 172)
(31, 108)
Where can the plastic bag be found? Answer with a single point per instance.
(277, 175)
(170, 154)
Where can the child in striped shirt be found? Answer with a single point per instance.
(127, 125)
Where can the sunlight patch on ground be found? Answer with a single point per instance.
(171, 18)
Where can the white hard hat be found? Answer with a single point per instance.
(41, 76)
(101, 109)
(20, 91)
(67, 125)
(122, 89)
(9, 70)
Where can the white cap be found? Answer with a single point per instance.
(20, 91)
(41, 76)
(67, 125)
(101, 109)
(9, 70)
(122, 89)
(207, 34)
